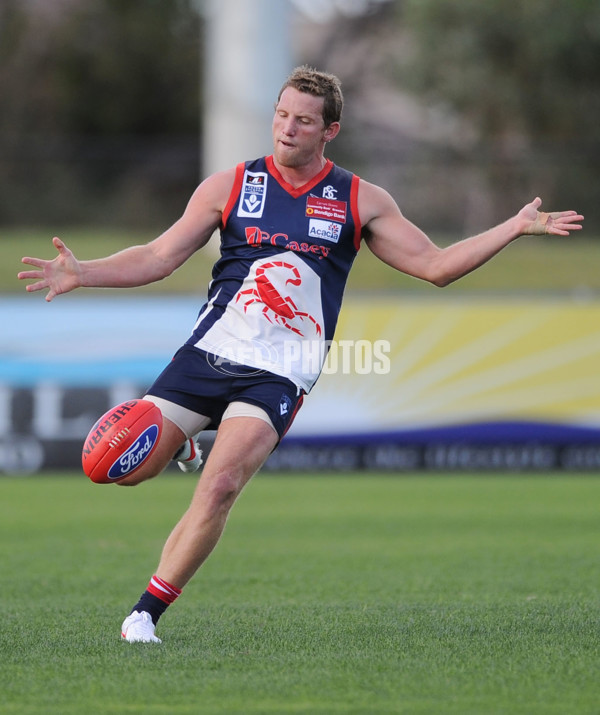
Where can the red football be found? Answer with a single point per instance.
(121, 440)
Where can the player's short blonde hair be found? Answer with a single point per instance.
(319, 84)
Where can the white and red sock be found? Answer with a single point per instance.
(157, 598)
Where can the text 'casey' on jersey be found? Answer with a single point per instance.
(285, 256)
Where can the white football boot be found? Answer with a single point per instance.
(139, 628)
(189, 456)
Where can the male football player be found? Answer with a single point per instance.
(291, 224)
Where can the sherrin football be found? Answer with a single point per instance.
(121, 440)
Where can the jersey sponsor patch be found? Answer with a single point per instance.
(324, 230)
(253, 195)
(328, 209)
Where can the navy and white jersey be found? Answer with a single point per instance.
(286, 252)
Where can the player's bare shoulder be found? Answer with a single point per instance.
(374, 203)
(199, 221)
(214, 192)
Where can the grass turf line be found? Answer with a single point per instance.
(331, 594)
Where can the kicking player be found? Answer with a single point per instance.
(291, 225)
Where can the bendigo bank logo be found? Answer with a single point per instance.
(256, 237)
(326, 209)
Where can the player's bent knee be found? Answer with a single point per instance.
(218, 492)
(120, 446)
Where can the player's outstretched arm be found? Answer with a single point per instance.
(402, 245)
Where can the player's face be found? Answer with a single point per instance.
(299, 132)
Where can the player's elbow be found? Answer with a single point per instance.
(166, 270)
(432, 266)
(437, 274)
(162, 264)
(441, 280)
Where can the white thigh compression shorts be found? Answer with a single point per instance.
(190, 423)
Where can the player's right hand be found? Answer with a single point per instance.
(60, 275)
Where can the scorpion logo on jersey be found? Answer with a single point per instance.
(278, 308)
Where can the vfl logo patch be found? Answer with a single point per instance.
(253, 195)
(135, 455)
(324, 230)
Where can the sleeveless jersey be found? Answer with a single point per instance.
(277, 288)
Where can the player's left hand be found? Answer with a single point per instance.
(60, 275)
(557, 223)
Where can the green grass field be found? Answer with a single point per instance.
(331, 594)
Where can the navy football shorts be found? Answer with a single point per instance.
(206, 384)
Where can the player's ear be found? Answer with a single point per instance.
(332, 131)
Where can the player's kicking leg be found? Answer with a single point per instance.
(175, 442)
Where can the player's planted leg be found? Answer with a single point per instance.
(242, 445)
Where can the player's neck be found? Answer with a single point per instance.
(297, 176)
